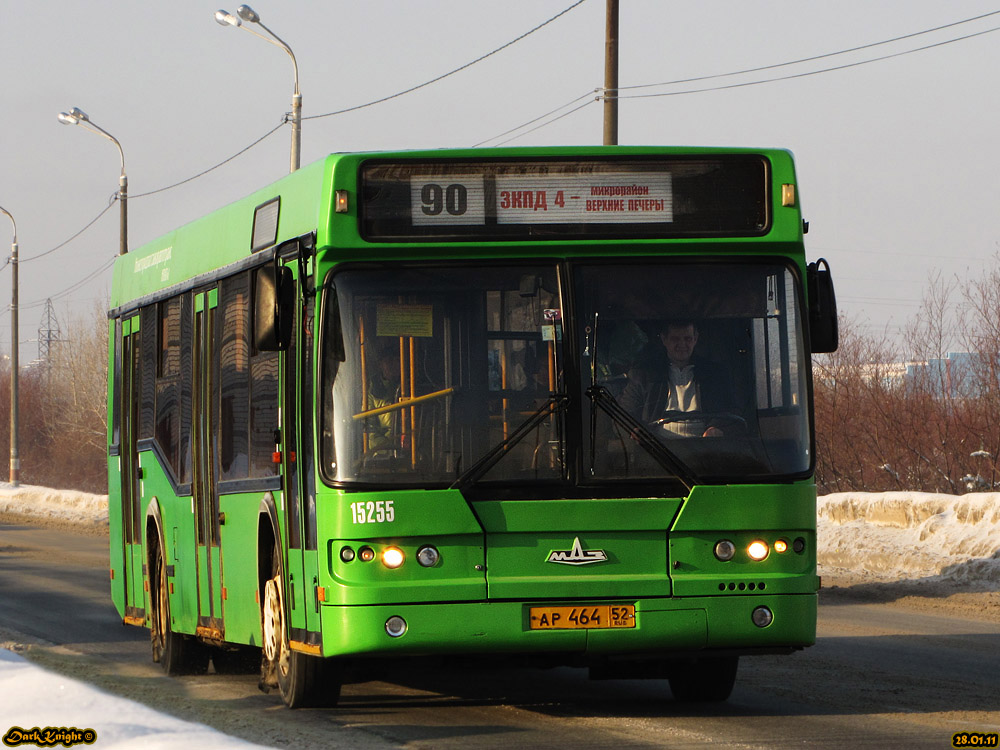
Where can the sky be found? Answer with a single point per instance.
(896, 158)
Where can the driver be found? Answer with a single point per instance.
(673, 382)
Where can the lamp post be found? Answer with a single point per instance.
(79, 117)
(248, 14)
(15, 459)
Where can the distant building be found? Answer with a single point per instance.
(956, 375)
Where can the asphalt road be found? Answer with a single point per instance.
(880, 676)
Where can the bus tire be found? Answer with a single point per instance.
(704, 680)
(302, 680)
(176, 653)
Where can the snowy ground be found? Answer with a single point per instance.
(36, 698)
(942, 541)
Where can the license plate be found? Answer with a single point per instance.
(590, 618)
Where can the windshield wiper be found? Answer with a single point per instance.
(602, 399)
(554, 404)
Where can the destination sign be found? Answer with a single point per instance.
(549, 200)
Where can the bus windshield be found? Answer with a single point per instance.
(702, 362)
(433, 374)
(456, 375)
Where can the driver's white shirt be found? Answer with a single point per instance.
(683, 396)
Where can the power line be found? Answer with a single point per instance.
(450, 73)
(66, 242)
(73, 287)
(793, 76)
(751, 70)
(813, 58)
(589, 94)
(242, 151)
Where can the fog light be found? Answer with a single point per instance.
(346, 554)
(762, 617)
(392, 557)
(395, 626)
(428, 556)
(724, 550)
(757, 550)
(367, 554)
(780, 546)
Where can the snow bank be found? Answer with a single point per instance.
(65, 506)
(912, 535)
(117, 722)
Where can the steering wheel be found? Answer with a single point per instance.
(724, 420)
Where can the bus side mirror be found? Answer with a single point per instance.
(274, 308)
(823, 328)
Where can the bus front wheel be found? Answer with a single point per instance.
(302, 680)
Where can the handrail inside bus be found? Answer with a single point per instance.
(405, 402)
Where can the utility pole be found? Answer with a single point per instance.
(15, 373)
(611, 76)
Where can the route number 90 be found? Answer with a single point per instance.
(452, 198)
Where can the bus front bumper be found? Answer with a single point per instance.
(661, 626)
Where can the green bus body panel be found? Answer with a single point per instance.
(238, 536)
(520, 536)
(439, 517)
(116, 532)
(226, 234)
(743, 514)
(752, 506)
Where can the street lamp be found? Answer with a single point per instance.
(15, 459)
(79, 117)
(248, 14)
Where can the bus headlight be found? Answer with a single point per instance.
(395, 626)
(757, 550)
(392, 557)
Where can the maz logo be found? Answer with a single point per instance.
(577, 556)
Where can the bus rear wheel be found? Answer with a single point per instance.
(302, 680)
(176, 653)
(704, 680)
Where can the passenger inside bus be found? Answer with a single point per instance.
(381, 389)
(677, 391)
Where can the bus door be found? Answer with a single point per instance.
(303, 606)
(205, 439)
(130, 395)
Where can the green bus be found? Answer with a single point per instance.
(422, 404)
